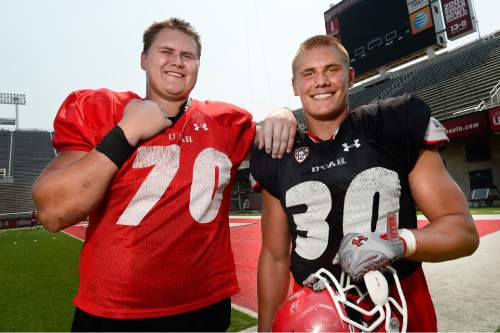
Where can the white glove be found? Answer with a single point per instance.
(363, 252)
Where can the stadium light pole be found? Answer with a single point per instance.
(475, 18)
(16, 99)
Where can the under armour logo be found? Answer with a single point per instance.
(358, 241)
(202, 126)
(356, 144)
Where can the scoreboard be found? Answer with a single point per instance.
(385, 32)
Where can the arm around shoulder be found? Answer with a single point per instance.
(451, 233)
(277, 133)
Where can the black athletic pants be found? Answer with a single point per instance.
(213, 318)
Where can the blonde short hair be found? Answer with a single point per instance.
(318, 41)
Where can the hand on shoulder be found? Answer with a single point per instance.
(277, 133)
(142, 119)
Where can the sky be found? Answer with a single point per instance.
(53, 47)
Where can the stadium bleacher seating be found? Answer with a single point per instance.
(31, 152)
(451, 82)
(4, 148)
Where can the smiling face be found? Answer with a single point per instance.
(171, 64)
(321, 80)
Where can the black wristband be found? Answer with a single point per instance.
(115, 146)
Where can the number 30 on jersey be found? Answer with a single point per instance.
(357, 208)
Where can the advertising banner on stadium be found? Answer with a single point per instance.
(15, 222)
(466, 125)
(458, 17)
(495, 119)
(414, 5)
(421, 20)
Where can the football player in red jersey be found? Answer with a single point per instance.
(352, 177)
(154, 176)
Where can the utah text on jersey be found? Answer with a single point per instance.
(351, 182)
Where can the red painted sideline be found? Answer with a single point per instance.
(77, 231)
(245, 240)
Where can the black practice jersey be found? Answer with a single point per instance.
(348, 184)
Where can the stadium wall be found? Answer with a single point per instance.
(460, 169)
(15, 222)
(31, 152)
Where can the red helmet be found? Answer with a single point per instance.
(309, 311)
(343, 309)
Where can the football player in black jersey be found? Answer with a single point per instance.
(349, 177)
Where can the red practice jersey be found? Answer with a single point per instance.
(159, 243)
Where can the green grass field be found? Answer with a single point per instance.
(245, 214)
(485, 210)
(479, 211)
(38, 280)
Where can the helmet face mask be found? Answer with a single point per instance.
(342, 307)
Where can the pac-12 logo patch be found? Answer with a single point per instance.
(301, 154)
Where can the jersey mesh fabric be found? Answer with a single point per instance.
(351, 184)
(159, 243)
(348, 184)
